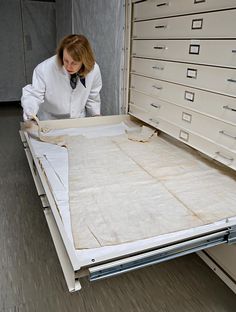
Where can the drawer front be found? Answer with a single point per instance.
(217, 131)
(219, 24)
(211, 104)
(216, 79)
(211, 52)
(147, 104)
(144, 115)
(162, 8)
(213, 150)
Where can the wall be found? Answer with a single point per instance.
(63, 18)
(29, 31)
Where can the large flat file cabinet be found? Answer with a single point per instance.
(182, 80)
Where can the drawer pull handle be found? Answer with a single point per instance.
(161, 26)
(231, 80)
(154, 120)
(224, 156)
(162, 4)
(155, 105)
(227, 134)
(157, 67)
(229, 108)
(234, 51)
(160, 47)
(157, 87)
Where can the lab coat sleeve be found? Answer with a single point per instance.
(93, 104)
(33, 94)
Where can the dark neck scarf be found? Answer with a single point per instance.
(74, 79)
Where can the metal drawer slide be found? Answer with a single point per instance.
(227, 235)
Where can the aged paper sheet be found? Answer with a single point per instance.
(123, 190)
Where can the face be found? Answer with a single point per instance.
(70, 65)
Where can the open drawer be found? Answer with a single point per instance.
(197, 229)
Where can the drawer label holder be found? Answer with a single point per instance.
(189, 96)
(192, 73)
(186, 117)
(194, 49)
(197, 23)
(183, 135)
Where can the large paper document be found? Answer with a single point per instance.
(123, 190)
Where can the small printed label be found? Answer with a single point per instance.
(184, 135)
(186, 117)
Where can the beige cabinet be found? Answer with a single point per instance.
(183, 82)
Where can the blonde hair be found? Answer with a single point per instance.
(80, 50)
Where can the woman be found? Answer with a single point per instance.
(67, 85)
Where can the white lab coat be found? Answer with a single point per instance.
(50, 95)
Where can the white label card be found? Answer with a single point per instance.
(194, 49)
(184, 135)
(186, 117)
(192, 73)
(197, 23)
(189, 96)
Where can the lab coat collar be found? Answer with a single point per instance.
(65, 73)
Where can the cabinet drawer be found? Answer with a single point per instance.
(147, 104)
(162, 8)
(216, 79)
(219, 24)
(213, 150)
(208, 103)
(211, 52)
(208, 127)
(143, 114)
